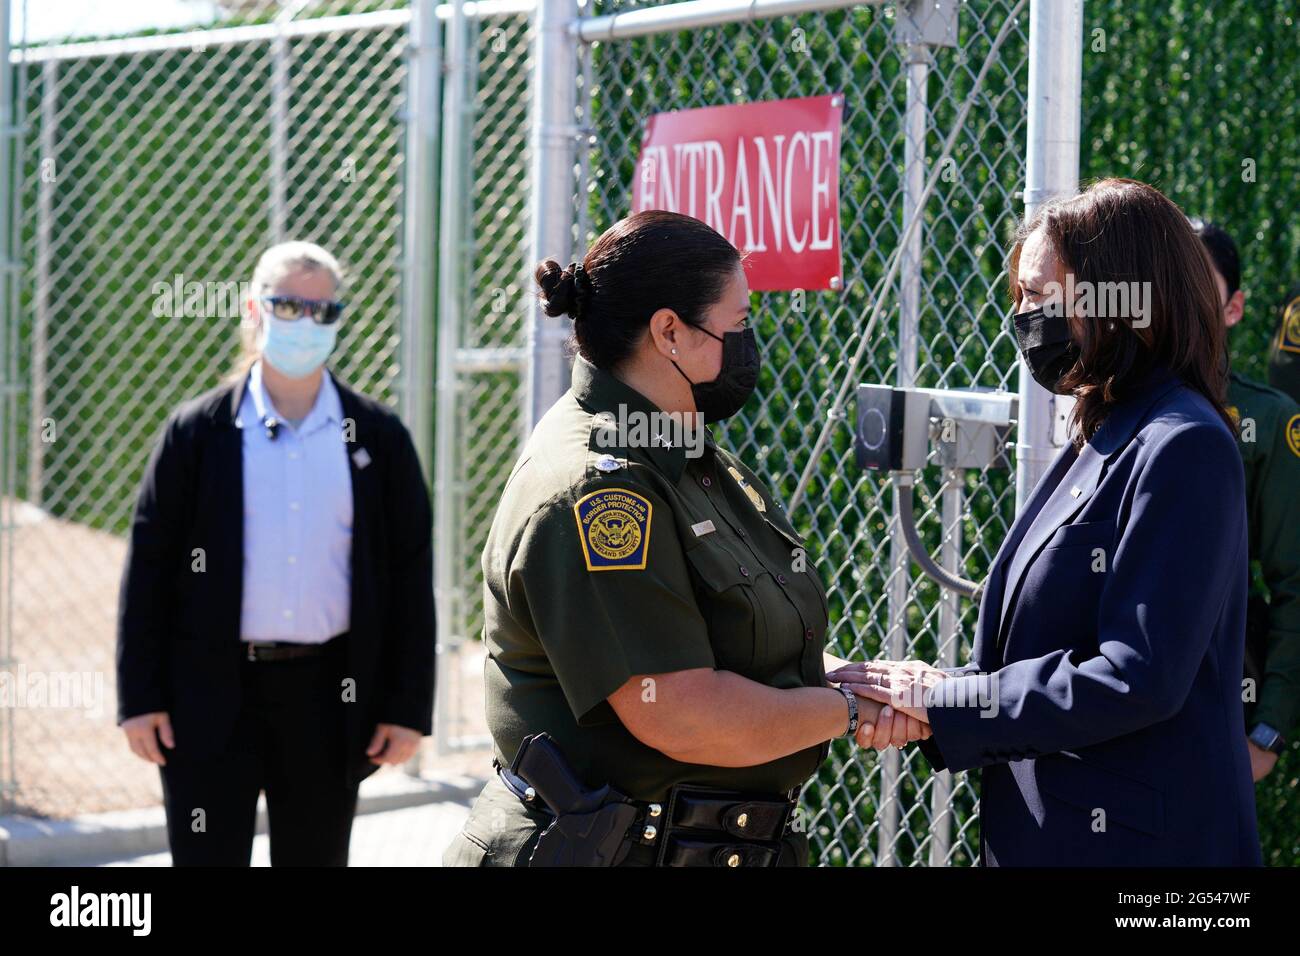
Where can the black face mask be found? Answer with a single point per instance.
(727, 394)
(1046, 345)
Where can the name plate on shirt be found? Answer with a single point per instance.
(703, 528)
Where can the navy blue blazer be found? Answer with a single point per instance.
(1110, 638)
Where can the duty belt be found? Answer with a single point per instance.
(697, 826)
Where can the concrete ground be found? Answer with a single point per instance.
(414, 836)
(401, 821)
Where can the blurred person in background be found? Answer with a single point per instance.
(1268, 435)
(276, 623)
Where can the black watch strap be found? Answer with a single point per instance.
(1262, 735)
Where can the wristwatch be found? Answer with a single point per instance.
(852, 698)
(1266, 737)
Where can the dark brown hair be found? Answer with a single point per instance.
(649, 261)
(1121, 230)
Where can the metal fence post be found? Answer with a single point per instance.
(420, 225)
(916, 60)
(551, 208)
(419, 231)
(451, 318)
(941, 788)
(45, 181)
(1051, 169)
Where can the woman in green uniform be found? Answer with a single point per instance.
(648, 606)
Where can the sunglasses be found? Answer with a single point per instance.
(292, 308)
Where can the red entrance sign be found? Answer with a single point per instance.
(765, 175)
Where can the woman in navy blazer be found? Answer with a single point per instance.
(1103, 698)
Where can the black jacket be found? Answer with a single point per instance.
(178, 638)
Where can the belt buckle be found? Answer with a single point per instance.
(254, 645)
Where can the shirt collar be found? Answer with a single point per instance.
(327, 408)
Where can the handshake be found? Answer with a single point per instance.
(891, 700)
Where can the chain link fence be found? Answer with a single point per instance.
(485, 291)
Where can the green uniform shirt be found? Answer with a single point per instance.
(606, 561)
(1269, 439)
(1284, 356)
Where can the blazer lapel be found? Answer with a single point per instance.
(1064, 502)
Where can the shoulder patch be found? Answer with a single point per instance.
(1293, 435)
(1288, 336)
(614, 527)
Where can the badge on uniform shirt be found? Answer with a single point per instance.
(754, 496)
(1288, 339)
(614, 527)
(1293, 435)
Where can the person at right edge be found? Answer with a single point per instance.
(1268, 434)
(655, 682)
(1284, 354)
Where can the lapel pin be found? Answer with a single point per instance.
(361, 457)
(1076, 491)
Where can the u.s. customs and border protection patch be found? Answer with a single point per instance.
(614, 526)
(1293, 435)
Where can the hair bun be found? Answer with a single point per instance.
(563, 290)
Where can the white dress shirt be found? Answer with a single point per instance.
(297, 520)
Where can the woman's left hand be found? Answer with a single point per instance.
(903, 685)
(393, 744)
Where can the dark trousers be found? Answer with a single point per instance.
(288, 741)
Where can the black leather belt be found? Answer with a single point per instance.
(699, 826)
(284, 650)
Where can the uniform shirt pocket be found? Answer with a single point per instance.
(731, 606)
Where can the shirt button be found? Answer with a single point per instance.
(780, 579)
(293, 506)
(744, 570)
(808, 634)
(288, 614)
(294, 455)
(706, 481)
(293, 559)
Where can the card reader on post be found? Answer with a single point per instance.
(897, 429)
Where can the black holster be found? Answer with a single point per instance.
(590, 827)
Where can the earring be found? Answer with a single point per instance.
(674, 351)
